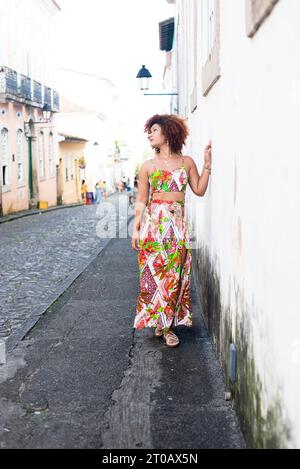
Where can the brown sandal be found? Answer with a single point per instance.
(171, 339)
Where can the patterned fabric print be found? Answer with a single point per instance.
(164, 298)
(168, 181)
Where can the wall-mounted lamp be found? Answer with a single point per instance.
(46, 112)
(144, 76)
(28, 126)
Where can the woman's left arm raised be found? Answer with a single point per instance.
(198, 183)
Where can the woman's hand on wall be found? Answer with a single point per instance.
(207, 154)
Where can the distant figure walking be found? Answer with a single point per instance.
(98, 192)
(84, 190)
(120, 186)
(132, 193)
(104, 190)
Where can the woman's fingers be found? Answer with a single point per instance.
(135, 243)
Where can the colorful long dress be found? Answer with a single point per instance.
(164, 271)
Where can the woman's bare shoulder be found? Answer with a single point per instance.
(147, 165)
(188, 161)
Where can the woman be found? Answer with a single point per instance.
(120, 186)
(160, 232)
(134, 191)
(84, 189)
(105, 190)
(98, 192)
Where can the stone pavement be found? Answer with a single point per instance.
(83, 378)
(40, 256)
(35, 211)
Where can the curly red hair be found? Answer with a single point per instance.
(173, 128)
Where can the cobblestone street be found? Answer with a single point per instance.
(39, 253)
(83, 378)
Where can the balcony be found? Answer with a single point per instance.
(22, 89)
(47, 95)
(55, 101)
(25, 88)
(37, 92)
(8, 81)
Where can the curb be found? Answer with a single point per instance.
(9, 343)
(35, 212)
(28, 213)
(36, 314)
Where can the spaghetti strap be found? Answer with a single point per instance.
(182, 163)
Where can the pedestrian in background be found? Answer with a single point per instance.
(135, 189)
(132, 194)
(105, 190)
(120, 186)
(84, 190)
(98, 195)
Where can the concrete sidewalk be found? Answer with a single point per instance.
(83, 378)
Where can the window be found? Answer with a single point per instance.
(4, 157)
(71, 162)
(210, 13)
(41, 152)
(20, 155)
(210, 27)
(67, 167)
(194, 62)
(51, 155)
(256, 13)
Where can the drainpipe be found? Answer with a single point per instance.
(1, 209)
(30, 179)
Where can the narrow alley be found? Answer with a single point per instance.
(148, 185)
(81, 378)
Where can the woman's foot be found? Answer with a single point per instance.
(171, 339)
(158, 332)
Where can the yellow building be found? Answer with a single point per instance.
(71, 169)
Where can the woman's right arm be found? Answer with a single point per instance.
(140, 203)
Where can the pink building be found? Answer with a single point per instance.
(27, 151)
(28, 142)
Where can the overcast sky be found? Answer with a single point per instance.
(113, 38)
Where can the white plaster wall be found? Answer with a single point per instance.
(252, 115)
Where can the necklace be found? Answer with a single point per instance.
(167, 161)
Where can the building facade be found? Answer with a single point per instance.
(237, 76)
(71, 169)
(28, 101)
(87, 137)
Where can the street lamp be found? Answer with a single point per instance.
(29, 133)
(47, 112)
(28, 126)
(144, 75)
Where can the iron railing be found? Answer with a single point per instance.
(17, 87)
